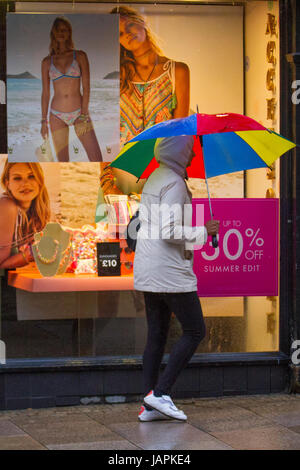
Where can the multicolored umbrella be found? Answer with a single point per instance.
(224, 143)
(228, 143)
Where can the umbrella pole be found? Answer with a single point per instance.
(215, 242)
(209, 201)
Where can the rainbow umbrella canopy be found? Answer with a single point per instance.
(224, 143)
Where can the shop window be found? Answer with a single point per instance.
(224, 77)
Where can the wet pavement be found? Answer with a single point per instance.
(256, 422)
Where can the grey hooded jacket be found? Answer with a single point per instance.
(163, 260)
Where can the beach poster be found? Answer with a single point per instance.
(95, 42)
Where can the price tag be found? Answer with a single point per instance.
(108, 259)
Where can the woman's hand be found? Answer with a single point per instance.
(83, 124)
(212, 227)
(108, 182)
(27, 254)
(44, 130)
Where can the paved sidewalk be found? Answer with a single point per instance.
(243, 422)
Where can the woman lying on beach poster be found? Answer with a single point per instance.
(24, 210)
(67, 68)
(153, 88)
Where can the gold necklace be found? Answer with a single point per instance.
(65, 255)
(51, 260)
(42, 258)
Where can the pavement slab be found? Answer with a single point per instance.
(66, 430)
(261, 438)
(114, 413)
(7, 428)
(268, 422)
(165, 435)
(102, 445)
(20, 443)
(229, 421)
(288, 419)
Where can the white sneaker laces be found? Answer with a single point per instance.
(169, 399)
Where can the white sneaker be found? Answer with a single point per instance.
(164, 405)
(150, 415)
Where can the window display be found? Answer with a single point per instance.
(52, 250)
(129, 89)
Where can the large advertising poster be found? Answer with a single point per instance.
(82, 83)
(30, 197)
(162, 76)
(175, 59)
(62, 87)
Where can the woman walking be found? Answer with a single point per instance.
(163, 270)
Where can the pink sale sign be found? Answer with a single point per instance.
(246, 261)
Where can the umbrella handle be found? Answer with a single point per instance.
(215, 242)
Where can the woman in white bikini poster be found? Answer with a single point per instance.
(68, 69)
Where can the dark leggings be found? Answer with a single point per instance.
(187, 308)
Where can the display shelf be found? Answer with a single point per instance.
(30, 280)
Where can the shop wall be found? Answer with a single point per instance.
(262, 313)
(256, 93)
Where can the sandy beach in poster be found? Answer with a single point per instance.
(80, 184)
(73, 190)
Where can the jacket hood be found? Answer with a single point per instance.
(174, 152)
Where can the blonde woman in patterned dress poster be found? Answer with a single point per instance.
(153, 88)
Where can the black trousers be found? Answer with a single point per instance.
(187, 308)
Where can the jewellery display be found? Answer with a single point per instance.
(44, 259)
(83, 257)
(57, 250)
(66, 254)
(52, 250)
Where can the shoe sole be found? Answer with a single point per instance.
(163, 418)
(172, 417)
